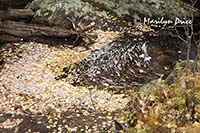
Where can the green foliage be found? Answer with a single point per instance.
(130, 117)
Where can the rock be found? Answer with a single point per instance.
(107, 14)
(129, 61)
(148, 8)
(70, 11)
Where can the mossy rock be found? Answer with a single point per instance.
(105, 12)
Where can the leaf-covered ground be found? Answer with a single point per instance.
(32, 100)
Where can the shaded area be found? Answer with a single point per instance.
(5, 4)
(73, 120)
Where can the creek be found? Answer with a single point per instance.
(129, 61)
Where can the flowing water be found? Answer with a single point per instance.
(129, 61)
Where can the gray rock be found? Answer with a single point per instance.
(106, 13)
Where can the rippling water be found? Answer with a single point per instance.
(129, 60)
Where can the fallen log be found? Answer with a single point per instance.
(17, 14)
(20, 29)
(17, 4)
(8, 39)
(44, 34)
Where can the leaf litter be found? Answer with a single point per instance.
(32, 100)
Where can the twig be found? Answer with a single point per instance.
(92, 101)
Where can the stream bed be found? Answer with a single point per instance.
(33, 100)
